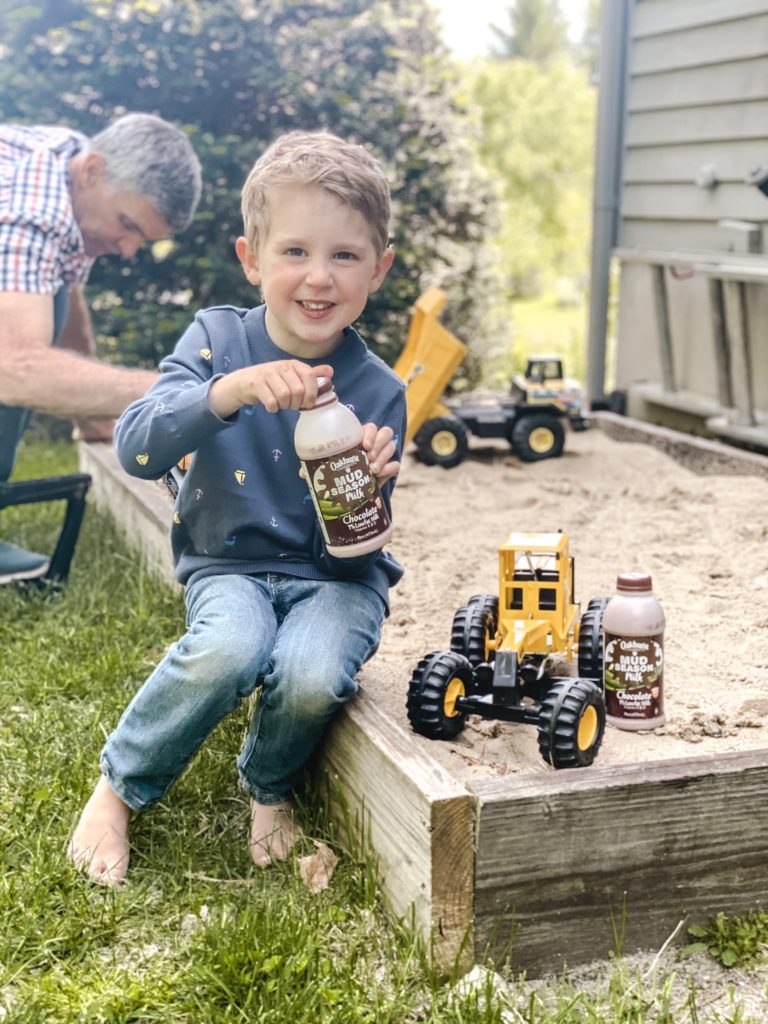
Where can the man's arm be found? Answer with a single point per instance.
(53, 380)
(77, 335)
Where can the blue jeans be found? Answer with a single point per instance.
(302, 641)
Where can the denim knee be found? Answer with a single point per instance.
(311, 683)
(220, 663)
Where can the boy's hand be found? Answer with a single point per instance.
(380, 447)
(283, 384)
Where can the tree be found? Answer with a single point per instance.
(236, 73)
(538, 31)
(537, 132)
(590, 39)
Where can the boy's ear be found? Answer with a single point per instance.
(381, 269)
(248, 261)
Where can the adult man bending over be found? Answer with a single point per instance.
(64, 201)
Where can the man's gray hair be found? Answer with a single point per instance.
(147, 156)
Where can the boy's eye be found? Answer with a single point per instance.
(344, 255)
(295, 250)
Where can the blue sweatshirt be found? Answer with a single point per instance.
(242, 507)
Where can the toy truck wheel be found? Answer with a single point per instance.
(571, 723)
(442, 441)
(437, 682)
(489, 602)
(591, 641)
(538, 436)
(474, 626)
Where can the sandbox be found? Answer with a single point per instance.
(491, 850)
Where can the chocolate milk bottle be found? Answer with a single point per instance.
(633, 625)
(349, 506)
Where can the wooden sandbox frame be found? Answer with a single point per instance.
(546, 869)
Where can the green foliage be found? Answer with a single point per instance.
(733, 940)
(237, 73)
(537, 140)
(545, 325)
(538, 31)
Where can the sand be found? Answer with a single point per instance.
(625, 506)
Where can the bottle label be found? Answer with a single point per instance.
(346, 497)
(634, 676)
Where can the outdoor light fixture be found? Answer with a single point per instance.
(759, 178)
(707, 177)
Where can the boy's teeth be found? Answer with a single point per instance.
(316, 305)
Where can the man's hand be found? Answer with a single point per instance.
(94, 430)
(380, 447)
(283, 384)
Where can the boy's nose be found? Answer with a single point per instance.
(319, 274)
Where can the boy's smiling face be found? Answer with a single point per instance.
(316, 267)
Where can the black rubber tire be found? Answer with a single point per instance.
(473, 626)
(489, 601)
(436, 681)
(571, 723)
(591, 641)
(538, 436)
(442, 441)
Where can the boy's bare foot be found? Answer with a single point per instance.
(99, 845)
(274, 831)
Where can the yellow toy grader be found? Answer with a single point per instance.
(506, 653)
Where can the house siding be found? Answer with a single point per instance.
(696, 109)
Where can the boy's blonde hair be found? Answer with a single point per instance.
(344, 169)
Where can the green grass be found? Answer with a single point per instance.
(198, 934)
(735, 941)
(542, 326)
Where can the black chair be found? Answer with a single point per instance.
(16, 564)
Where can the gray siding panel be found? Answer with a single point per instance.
(690, 115)
(681, 163)
(711, 44)
(694, 236)
(687, 202)
(723, 122)
(733, 81)
(653, 17)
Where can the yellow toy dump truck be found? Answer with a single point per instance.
(508, 652)
(531, 418)
(430, 358)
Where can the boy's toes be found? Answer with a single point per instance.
(274, 832)
(99, 845)
(107, 864)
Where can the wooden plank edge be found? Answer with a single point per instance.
(542, 784)
(574, 857)
(701, 456)
(416, 819)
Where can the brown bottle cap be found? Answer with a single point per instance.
(325, 392)
(634, 581)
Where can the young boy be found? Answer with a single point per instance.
(266, 603)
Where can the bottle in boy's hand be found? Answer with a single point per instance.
(349, 505)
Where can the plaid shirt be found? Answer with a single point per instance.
(41, 247)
